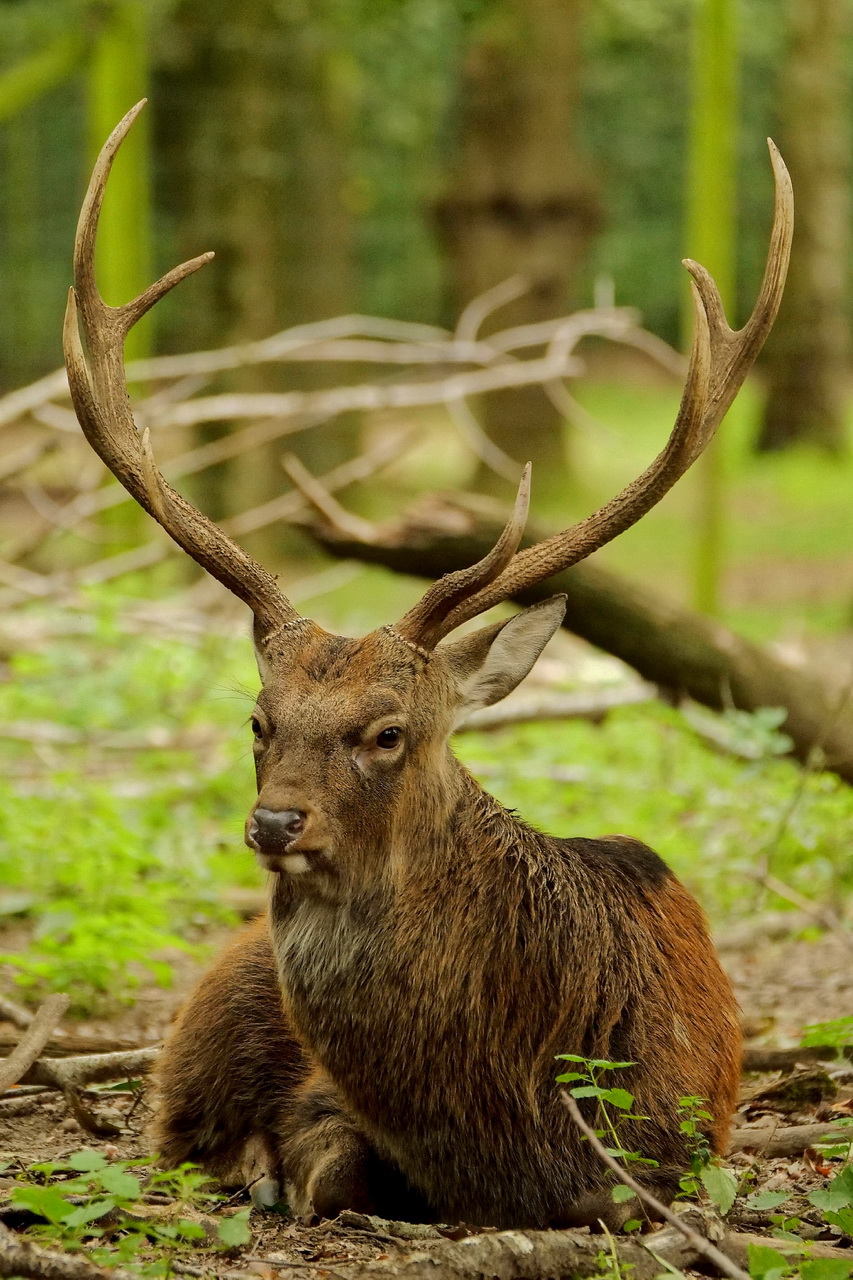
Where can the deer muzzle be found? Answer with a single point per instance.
(286, 839)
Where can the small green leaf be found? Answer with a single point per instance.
(633, 1224)
(120, 1183)
(621, 1193)
(190, 1230)
(87, 1161)
(839, 1193)
(587, 1091)
(234, 1231)
(826, 1269)
(766, 1263)
(721, 1185)
(45, 1201)
(89, 1212)
(620, 1098)
(767, 1199)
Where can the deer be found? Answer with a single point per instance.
(384, 1037)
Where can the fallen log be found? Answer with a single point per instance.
(21, 1258)
(773, 1141)
(522, 1255)
(670, 646)
(72, 1046)
(787, 1059)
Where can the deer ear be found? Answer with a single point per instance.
(491, 662)
(261, 659)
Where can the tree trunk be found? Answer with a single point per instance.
(682, 651)
(256, 171)
(808, 350)
(520, 199)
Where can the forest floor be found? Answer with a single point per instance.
(783, 984)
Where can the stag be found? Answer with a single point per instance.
(385, 1036)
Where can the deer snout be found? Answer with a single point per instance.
(273, 830)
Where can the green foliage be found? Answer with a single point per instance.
(767, 1263)
(693, 1113)
(119, 859)
(836, 1202)
(88, 1202)
(838, 1033)
(586, 1083)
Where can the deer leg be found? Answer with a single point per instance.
(330, 1165)
(229, 1068)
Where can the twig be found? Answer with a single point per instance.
(321, 500)
(556, 706)
(42, 1027)
(69, 1075)
(824, 916)
(20, 1258)
(698, 1242)
(14, 1013)
(90, 1068)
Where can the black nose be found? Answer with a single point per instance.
(274, 829)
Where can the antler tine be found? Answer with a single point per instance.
(425, 623)
(99, 393)
(720, 360)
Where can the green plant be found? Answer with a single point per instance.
(836, 1202)
(586, 1083)
(102, 1207)
(837, 1033)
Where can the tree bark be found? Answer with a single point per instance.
(682, 651)
(807, 354)
(521, 199)
(256, 166)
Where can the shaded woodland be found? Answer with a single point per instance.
(448, 237)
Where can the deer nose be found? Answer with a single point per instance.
(272, 830)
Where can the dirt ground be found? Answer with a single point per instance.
(782, 984)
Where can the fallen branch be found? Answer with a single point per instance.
(519, 1255)
(20, 1258)
(556, 706)
(698, 1242)
(90, 1068)
(70, 1075)
(772, 1143)
(14, 1068)
(13, 1013)
(786, 1059)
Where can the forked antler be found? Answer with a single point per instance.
(100, 397)
(719, 361)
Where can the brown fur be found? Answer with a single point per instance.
(435, 954)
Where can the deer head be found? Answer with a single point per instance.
(351, 736)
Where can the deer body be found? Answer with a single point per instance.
(388, 1037)
(440, 1023)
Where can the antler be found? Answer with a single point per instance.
(100, 397)
(719, 361)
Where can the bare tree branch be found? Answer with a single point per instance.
(699, 1243)
(16, 1066)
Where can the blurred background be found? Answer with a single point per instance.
(448, 237)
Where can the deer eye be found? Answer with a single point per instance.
(256, 728)
(389, 738)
